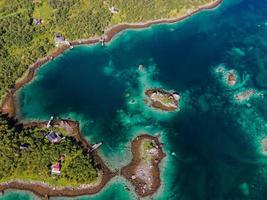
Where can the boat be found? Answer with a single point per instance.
(95, 146)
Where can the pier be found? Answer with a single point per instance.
(49, 122)
(102, 40)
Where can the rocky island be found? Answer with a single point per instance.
(162, 99)
(245, 95)
(231, 78)
(143, 171)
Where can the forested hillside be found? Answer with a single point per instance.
(34, 160)
(28, 27)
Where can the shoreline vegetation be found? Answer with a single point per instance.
(8, 105)
(31, 29)
(46, 190)
(147, 154)
(8, 108)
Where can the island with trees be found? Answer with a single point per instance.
(49, 159)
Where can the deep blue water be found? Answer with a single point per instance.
(213, 143)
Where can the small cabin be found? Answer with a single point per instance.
(37, 21)
(60, 40)
(53, 137)
(56, 168)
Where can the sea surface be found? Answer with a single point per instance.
(213, 143)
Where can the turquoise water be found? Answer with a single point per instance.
(213, 144)
(19, 195)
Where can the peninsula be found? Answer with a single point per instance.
(162, 99)
(44, 30)
(143, 171)
(53, 159)
(49, 159)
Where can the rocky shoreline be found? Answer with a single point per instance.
(143, 171)
(8, 105)
(44, 190)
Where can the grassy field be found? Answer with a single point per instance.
(22, 42)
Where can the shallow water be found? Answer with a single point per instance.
(213, 143)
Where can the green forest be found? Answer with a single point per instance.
(34, 162)
(22, 42)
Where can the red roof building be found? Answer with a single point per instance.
(56, 168)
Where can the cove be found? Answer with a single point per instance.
(212, 144)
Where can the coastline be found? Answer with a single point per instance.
(8, 106)
(44, 190)
(8, 103)
(131, 171)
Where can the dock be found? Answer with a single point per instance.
(102, 40)
(94, 147)
(48, 125)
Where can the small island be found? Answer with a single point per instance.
(229, 77)
(244, 95)
(50, 159)
(143, 171)
(162, 99)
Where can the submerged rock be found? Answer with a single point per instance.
(264, 145)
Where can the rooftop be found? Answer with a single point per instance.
(56, 168)
(59, 38)
(53, 137)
